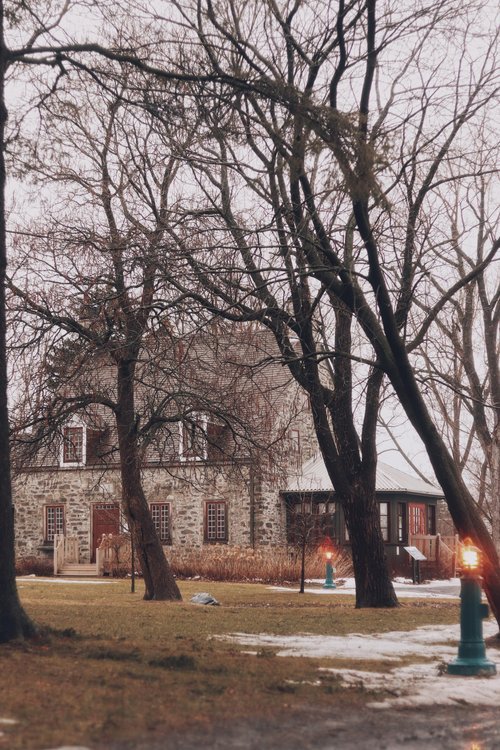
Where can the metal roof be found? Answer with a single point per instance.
(313, 477)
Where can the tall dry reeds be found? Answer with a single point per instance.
(266, 565)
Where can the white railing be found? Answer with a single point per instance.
(71, 552)
(99, 560)
(65, 551)
(58, 552)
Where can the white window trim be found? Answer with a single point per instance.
(74, 464)
(202, 420)
(45, 521)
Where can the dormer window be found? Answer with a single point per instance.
(193, 438)
(73, 445)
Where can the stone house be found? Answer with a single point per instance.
(237, 464)
(211, 475)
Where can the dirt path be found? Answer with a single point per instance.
(456, 728)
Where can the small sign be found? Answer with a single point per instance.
(415, 553)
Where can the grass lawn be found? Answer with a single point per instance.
(116, 667)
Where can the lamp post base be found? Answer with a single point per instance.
(471, 659)
(329, 579)
(471, 667)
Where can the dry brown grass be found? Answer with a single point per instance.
(118, 668)
(263, 565)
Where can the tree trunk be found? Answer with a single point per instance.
(373, 584)
(158, 578)
(14, 623)
(303, 565)
(357, 496)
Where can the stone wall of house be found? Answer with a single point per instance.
(185, 487)
(270, 520)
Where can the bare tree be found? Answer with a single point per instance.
(91, 305)
(385, 95)
(91, 279)
(14, 623)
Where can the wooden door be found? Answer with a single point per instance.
(105, 520)
(417, 518)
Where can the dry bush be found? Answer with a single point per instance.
(266, 565)
(39, 566)
(118, 555)
(222, 563)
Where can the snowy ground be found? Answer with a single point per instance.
(408, 687)
(413, 685)
(404, 588)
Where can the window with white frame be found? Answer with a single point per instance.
(215, 521)
(384, 520)
(294, 443)
(160, 513)
(73, 445)
(193, 438)
(54, 521)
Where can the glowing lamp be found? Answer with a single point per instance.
(470, 556)
(330, 571)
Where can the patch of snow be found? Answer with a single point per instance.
(448, 589)
(29, 579)
(416, 684)
(423, 684)
(430, 640)
(4, 720)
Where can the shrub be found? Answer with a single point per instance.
(117, 555)
(31, 565)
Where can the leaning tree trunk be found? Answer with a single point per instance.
(494, 494)
(14, 623)
(463, 510)
(158, 578)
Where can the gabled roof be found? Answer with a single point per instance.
(313, 477)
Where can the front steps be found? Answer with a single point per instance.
(78, 570)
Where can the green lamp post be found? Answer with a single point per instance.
(330, 570)
(471, 659)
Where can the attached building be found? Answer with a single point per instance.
(409, 507)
